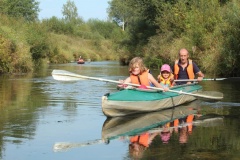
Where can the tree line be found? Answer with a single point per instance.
(158, 29)
(154, 30)
(27, 43)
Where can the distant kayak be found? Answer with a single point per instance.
(80, 61)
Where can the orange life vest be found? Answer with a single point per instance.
(166, 81)
(189, 69)
(176, 123)
(190, 120)
(141, 79)
(142, 139)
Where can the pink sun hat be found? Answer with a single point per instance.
(165, 67)
(165, 137)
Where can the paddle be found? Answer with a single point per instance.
(63, 75)
(64, 146)
(204, 79)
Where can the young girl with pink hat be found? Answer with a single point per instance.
(166, 78)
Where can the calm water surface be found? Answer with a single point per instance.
(38, 111)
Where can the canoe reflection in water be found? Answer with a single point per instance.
(140, 130)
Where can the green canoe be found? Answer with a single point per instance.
(132, 101)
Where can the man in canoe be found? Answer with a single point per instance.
(185, 68)
(139, 74)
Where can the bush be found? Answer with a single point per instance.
(14, 51)
(37, 38)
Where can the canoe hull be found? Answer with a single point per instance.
(115, 108)
(80, 62)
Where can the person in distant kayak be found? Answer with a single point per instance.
(139, 74)
(80, 59)
(166, 78)
(185, 68)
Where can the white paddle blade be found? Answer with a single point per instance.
(210, 96)
(62, 75)
(213, 79)
(210, 122)
(64, 146)
(65, 78)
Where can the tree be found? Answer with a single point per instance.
(70, 12)
(119, 12)
(28, 9)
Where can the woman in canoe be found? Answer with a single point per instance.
(140, 143)
(139, 74)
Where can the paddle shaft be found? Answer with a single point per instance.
(196, 80)
(69, 76)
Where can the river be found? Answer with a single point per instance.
(38, 112)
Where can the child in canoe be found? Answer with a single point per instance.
(166, 78)
(139, 74)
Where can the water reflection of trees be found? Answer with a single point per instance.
(215, 142)
(20, 102)
(214, 135)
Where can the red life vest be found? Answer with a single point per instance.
(189, 69)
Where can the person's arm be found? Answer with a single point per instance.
(127, 80)
(155, 83)
(158, 77)
(198, 72)
(172, 79)
(200, 76)
(172, 70)
(151, 137)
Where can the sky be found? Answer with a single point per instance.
(87, 9)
